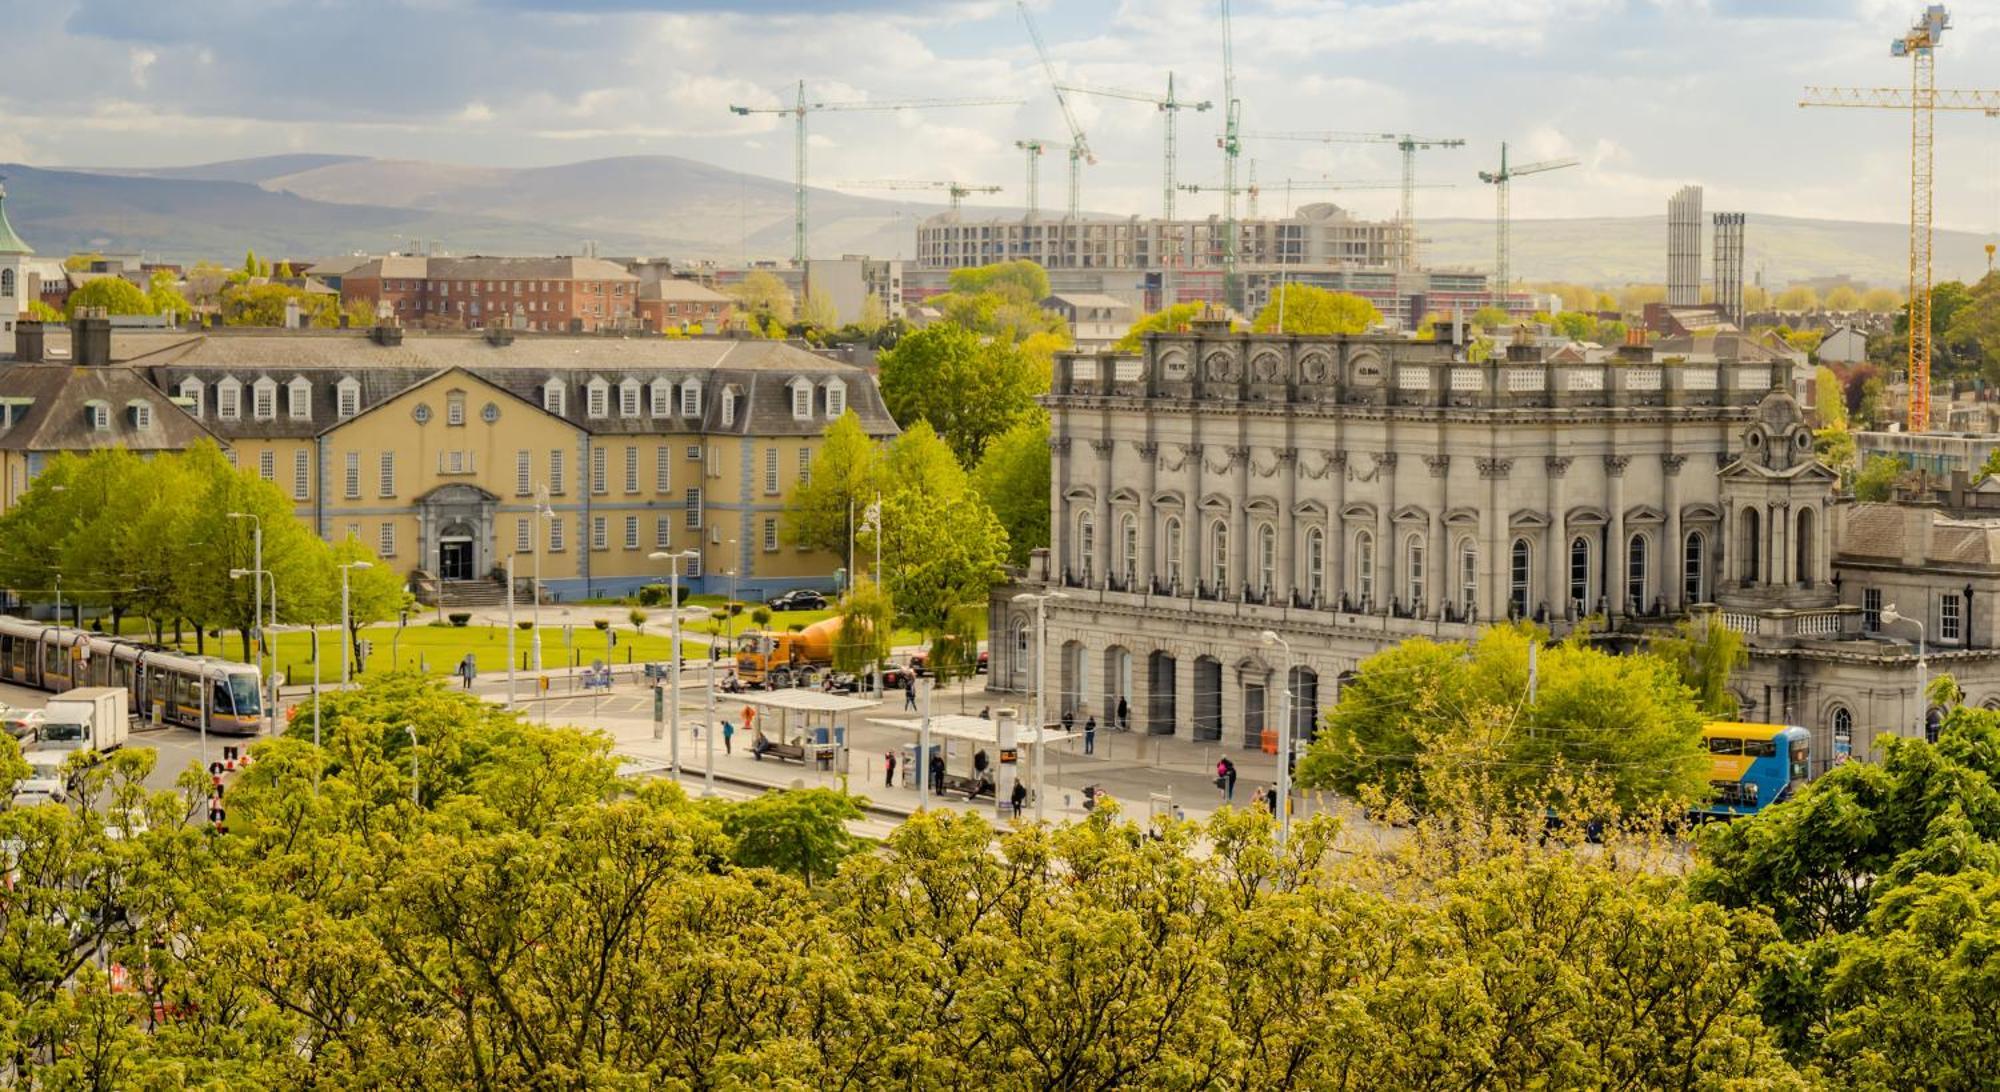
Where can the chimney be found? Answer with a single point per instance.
(499, 335)
(385, 334)
(30, 343)
(90, 337)
(292, 314)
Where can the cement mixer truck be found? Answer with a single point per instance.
(781, 660)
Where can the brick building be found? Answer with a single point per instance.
(557, 294)
(676, 304)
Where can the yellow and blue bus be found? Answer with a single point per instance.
(1752, 766)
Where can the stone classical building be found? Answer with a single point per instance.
(1349, 493)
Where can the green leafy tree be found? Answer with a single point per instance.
(1881, 301)
(1013, 478)
(1175, 319)
(942, 547)
(1576, 326)
(1019, 280)
(819, 310)
(867, 621)
(968, 388)
(1312, 310)
(1704, 653)
(873, 316)
(164, 298)
(264, 305)
(1842, 298)
(824, 511)
(81, 263)
(42, 312)
(1798, 297)
(1490, 318)
(798, 831)
(1877, 478)
(115, 295)
(765, 298)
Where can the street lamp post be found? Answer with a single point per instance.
(545, 516)
(346, 617)
(510, 631)
(257, 592)
(1891, 616)
(271, 688)
(1284, 782)
(673, 561)
(415, 798)
(1041, 602)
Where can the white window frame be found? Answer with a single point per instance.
(1171, 548)
(663, 532)
(555, 397)
(805, 465)
(454, 408)
(347, 398)
(524, 535)
(229, 399)
(1364, 568)
(663, 468)
(631, 468)
(802, 400)
(267, 465)
(353, 482)
(555, 534)
(770, 534)
(386, 468)
(191, 393)
(836, 399)
(631, 532)
(1414, 572)
(302, 474)
(628, 398)
(691, 398)
(556, 483)
(1951, 619)
(386, 539)
(661, 397)
(264, 399)
(524, 473)
(691, 508)
(770, 471)
(142, 415)
(298, 399)
(600, 538)
(597, 399)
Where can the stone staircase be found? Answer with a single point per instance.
(458, 594)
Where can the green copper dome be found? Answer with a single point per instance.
(10, 243)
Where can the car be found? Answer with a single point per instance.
(22, 724)
(45, 782)
(798, 599)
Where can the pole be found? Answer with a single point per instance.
(1284, 779)
(315, 638)
(924, 743)
(1041, 699)
(510, 631)
(59, 619)
(204, 725)
(708, 737)
(257, 589)
(535, 608)
(415, 798)
(346, 629)
(271, 710)
(1923, 686)
(674, 669)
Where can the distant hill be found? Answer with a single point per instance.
(310, 204)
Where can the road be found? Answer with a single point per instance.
(177, 748)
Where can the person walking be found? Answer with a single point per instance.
(728, 733)
(889, 770)
(1225, 779)
(937, 772)
(1019, 797)
(1069, 720)
(910, 694)
(1124, 715)
(1090, 735)
(1271, 799)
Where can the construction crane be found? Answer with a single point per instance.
(1501, 181)
(1034, 148)
(798, 111)
(1170, 106)
(1406, 144)
(1079, 146)
(958, 191)
(1921, 100)
(1232, 145)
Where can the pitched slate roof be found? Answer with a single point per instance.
(47, 404)
(10, 243)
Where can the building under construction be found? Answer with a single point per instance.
(1152, 262)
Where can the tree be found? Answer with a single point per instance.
(824, 511)
(1755, 298)
(1019, 280)
(1490, 318)
(798, 831)
(115, 295)
(968, 388)
(1798, 297)
(254, 266)
(942, 548)
(765, 298)
(42, 312)
(1877, 478)
(1704, 652)
(819, 310)
(264, 305)
(873, 316)
(81, 263)
(1013, 478)
(1881, 301)
(1576, 326)
(867, 621)
(1312, 310)
(1842, 298)
(166, 299)
(1425, 718)
(1174, 319)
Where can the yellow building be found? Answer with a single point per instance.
(448, 452)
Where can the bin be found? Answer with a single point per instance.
(1268, 739)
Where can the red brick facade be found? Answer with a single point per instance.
(472, 293)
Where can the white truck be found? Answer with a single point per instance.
(45, 781)
(89, 718)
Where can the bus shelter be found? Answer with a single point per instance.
(797, 724)
(960, 737)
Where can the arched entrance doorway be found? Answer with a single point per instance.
(1207, 699)
(1117, 680)
(1160, 671)
(457, 552)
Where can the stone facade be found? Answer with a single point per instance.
(1350, 493)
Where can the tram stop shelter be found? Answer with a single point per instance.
(948, 729)
(799, 724)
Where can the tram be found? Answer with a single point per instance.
(180, 688)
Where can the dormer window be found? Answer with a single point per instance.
(802, 399)
(553, 397)
(728, 407)
(229, 399)
(191, 394)
(99, 415)
(628, 398)
(141, 414)
(597, 398)
(347, 396)
(662, 398)
(298, 399)
(836, 398)
(264, 399)
(691, 398)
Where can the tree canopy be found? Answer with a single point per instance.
(968, 387)
(1166, 321)
(1013, 477)
(1309, 309)
(116, 295)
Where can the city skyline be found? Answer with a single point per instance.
(1648, 96)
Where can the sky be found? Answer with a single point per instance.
(1647, 94)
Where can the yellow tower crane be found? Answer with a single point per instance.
(1921, 100)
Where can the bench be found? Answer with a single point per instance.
(970, 786)
(783, 752)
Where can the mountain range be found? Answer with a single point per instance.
(314, 205)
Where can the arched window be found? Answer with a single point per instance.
(1172, 535)
(1128, 549)
(1519, 565)
(1086, 543)
(1693, 587)
(1753, 546)
(1579, 575)
(1315, 563)
(1806, 548)
(1843, 733)
(6, 282)
(1218, 556)
(1267, 558)
(1364, 568)
(1635, 573)
(1468, 577)
(1413, 570)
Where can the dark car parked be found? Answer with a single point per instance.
(800, 599)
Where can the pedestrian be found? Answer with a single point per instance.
(1019, 797)
(728, 733)
(937, 772)
(1124, 715)
(1069, 719)
(889, 770)
(979, 761)
(469, 667)
(910, 695)
(1090, 735)
(985, 712)
(1225, 779)
(1271, 799)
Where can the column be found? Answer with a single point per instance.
(1435, 591)
(1241, 544)
(1149, 521)
(1101, 553)
(1493, 530)
(1674, 550)
(1288, 526)
(1184, 658)
(1059, 514)
(1195, 549)
(1614, 557)
(1776, 539)
(1385, 548)
(1336, 528)
(1556, 565)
